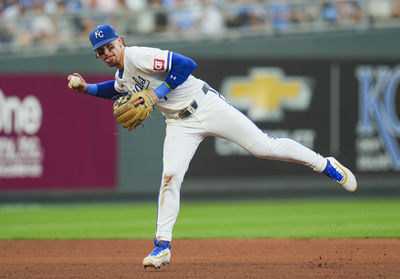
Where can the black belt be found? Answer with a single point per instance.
(193, 106)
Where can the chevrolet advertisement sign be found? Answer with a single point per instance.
(267, 92)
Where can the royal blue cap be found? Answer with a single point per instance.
(101, 35)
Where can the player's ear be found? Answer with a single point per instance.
(121, 41)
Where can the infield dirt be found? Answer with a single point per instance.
(204, 258)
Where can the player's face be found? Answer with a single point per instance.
(112, 53)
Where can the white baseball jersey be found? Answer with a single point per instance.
(147, 68)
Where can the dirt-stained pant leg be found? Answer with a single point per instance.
(226, 121)
(181, 142)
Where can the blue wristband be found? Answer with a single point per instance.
(162, 90)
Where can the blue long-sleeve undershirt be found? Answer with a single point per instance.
(102, 90)
(181, 68)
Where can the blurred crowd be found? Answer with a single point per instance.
(55, 23)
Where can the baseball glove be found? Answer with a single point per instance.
(129, 115)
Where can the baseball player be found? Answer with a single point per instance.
(193, 110)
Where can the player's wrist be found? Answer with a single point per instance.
(154, 96)
(91, 89)
(162, 90)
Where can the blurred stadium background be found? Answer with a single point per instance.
(325, 73)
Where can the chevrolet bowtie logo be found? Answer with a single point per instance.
(266, 92)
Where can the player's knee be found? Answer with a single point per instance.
(167, 179)
(171, 179)
(166, 188)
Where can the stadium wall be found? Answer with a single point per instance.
(344, 103)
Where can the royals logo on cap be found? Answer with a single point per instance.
(101, 35)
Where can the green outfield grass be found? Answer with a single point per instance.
(256, 219)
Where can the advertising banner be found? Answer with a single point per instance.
(349, 110)
(54, 138)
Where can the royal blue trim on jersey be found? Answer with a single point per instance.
(168, 61)
(181, 68)
(121, 73)
(103, 90)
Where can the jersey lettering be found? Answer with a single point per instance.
(141, 83)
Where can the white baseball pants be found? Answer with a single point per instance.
(216, 117)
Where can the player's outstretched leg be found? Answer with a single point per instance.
(160, 255)
(340, 174)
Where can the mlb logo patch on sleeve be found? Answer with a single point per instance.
(159, 64)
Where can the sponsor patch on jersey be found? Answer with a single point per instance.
(159, 64)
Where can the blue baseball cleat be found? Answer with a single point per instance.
(340, 174)
(160, 255)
